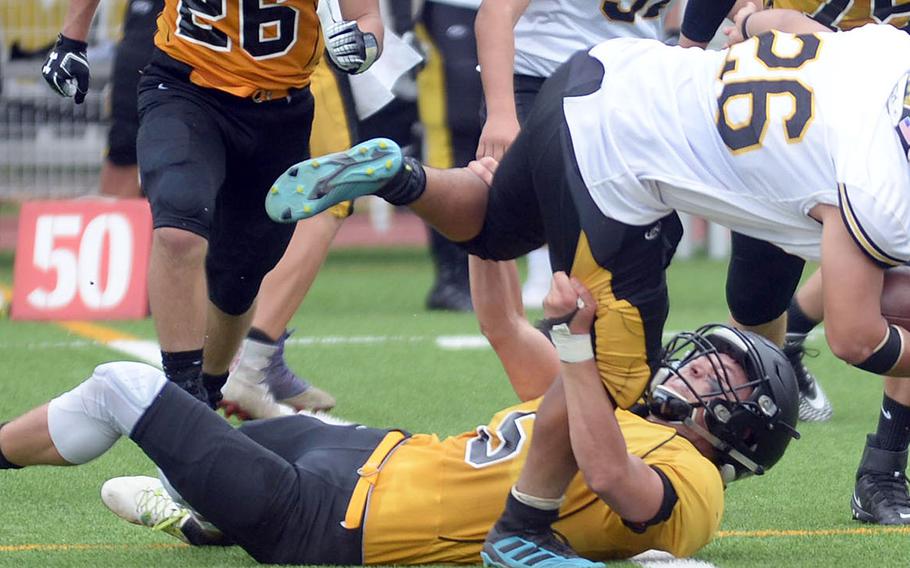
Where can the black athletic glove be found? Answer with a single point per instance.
(351, 50)
(66, 68)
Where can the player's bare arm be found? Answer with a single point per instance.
(496, 53)
(854, 326)
(366, 14)
(79, 18)
(749, 21)
(526, 354)
(623, 481)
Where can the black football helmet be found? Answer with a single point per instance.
(749, 429)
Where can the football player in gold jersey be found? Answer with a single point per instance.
(225, 105)
(299, 490)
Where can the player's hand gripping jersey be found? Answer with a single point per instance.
(243, 46)
(434, 501)
(849, 14)
(754, 137)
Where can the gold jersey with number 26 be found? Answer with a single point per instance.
(243, 46)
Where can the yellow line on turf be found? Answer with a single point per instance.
(95, 332)
(67, 547)
(816, 532)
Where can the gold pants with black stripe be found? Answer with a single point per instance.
(538, 197)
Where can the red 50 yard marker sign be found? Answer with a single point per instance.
(82, 259)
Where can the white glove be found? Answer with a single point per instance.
(351, 50)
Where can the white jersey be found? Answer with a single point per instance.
(754, 137)
(550, 31)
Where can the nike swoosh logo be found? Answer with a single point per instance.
(856, 500)
(162, 87)
(886, 414)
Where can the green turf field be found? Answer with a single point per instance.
(797, 515)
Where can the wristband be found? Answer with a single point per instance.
(71, 44)
(743, 29)
(572, 348)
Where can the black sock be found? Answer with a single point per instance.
(5, 463)
(213, 384)
(520, 517)
(407, 185)
(257, 334)
(893, 433)
(182, 367)
(797, 320)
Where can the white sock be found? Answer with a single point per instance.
(86, 421)
(255, 355)
(537, 502)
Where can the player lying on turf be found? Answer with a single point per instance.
(789, 140)
(298, 490)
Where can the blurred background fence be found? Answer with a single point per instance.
(48, 146)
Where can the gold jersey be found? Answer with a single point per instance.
(848, 14)
(243, 46)
(434, 500)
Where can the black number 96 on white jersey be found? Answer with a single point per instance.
(267, 30)
(745, 133)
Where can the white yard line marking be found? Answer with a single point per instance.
(659, 559)
(47, 345)
(148, 350)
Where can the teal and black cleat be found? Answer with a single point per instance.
(314, 185)
(531, 549)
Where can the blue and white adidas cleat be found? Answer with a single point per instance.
(531, 549)
(314, 185)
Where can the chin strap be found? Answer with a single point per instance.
(724, 447)
(670, 406)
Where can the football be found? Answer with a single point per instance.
(896, 296)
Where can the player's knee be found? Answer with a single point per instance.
(232, 292)
(86, 421)
(128, 376)
(180, 198)
(851, 345)
(180, 245)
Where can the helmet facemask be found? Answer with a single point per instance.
(743, 422)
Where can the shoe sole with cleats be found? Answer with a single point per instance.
(314, 185)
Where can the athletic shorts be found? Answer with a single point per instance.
(761, 280)
(279, 488)
(538, 197)
(207, 160)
